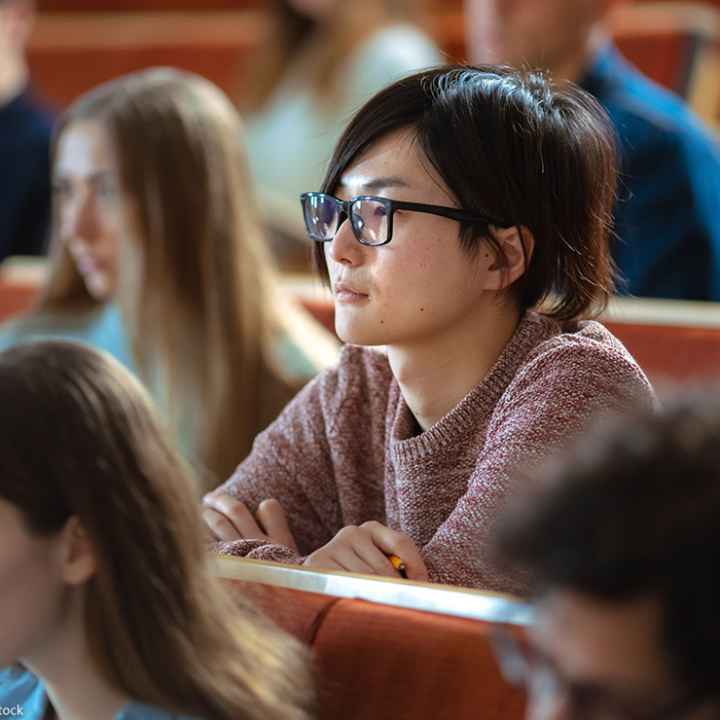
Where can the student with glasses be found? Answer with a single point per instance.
(620, 541)
(463, 225)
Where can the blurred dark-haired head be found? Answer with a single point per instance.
(630, 518)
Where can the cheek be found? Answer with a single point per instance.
(418, 291)
(30, 601)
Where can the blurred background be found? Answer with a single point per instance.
(76, 44)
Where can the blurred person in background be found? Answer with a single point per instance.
(666, 216)
(158, 258)
(108, 606)
(25, 128)
(322, 61)
(621, 539)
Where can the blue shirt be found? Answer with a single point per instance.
(668, 212)
(25, 129)
(20, 690)
(101, 327)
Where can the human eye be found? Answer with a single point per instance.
(106, 187)
(60, 187)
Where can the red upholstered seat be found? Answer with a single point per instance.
(385, 660)
(378, 662)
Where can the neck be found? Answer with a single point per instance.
(76, 689)
(574, 65)
(13, 78)
(436, 374)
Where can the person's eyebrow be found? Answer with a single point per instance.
(380, 183)
(95, 176)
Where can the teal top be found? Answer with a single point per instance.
(23, 695)
(100, 327)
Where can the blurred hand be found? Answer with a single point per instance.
(364, 549)
(229, 519)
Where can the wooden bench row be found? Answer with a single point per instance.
(387, 650)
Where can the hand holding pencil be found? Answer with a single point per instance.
(371, 549)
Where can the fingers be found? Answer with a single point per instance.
(271, 516)
(364, 549)
(372, 556)
(338, 556)
(219, 527)
(239, 521)
(396, 543)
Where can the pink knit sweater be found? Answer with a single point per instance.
(343, 451)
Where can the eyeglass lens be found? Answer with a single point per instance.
(323, 216)
(370, 221)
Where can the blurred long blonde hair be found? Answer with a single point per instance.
(198, 316)
(314, 50)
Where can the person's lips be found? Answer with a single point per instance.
(348, 294)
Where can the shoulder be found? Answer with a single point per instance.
(647, 115)
(20, 688)
(357, 387)
(389, 54)
(362, 374)
(590, 361)
(402, 42)
(36, 121)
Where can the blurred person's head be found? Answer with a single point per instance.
(101, 548)
(313, 39)
(16, 17)
(555, 35)
(621, 541)
(153, 205)
(531, 170)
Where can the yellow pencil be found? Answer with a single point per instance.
(398, 564)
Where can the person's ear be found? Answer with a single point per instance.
(517, 245)
(78, 555)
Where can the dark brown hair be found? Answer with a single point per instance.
(79, 439)
(633, 511)
(510, 145)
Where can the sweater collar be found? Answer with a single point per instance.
(479, 403)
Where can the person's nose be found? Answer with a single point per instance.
(344, 248)
(80, 219)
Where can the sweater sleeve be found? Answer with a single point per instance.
(550, 401)
(291, 462)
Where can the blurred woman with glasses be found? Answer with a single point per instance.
(463, 225)
(153, 208)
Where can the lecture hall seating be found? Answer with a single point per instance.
(75, 46)
(389, 650)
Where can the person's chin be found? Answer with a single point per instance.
(98, 287)
(355, 333)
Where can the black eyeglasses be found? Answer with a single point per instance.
(371, 217)
(522, 666)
